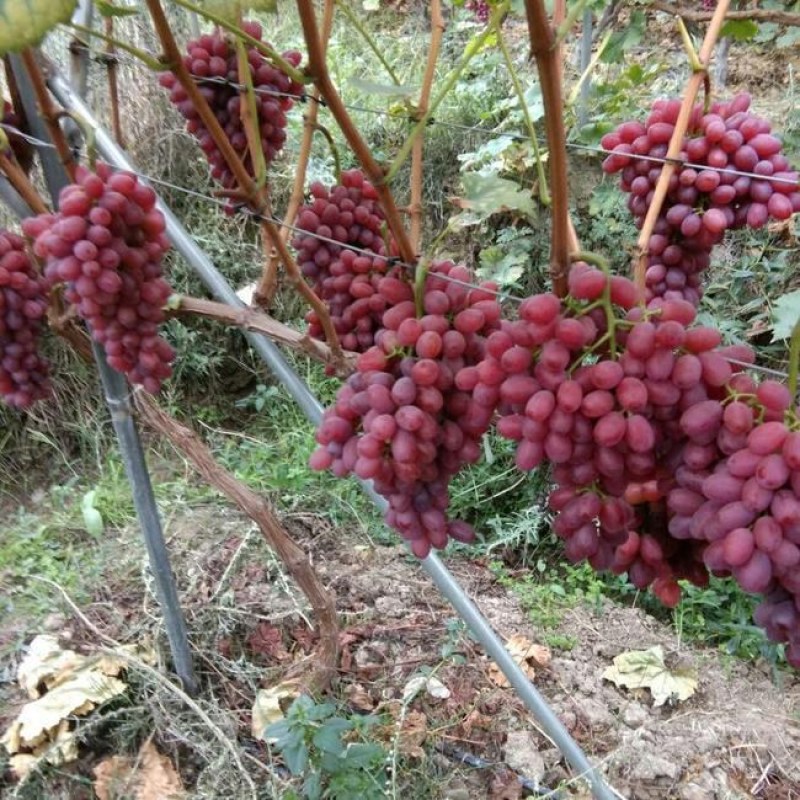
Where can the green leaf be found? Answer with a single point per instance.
(785, 314)
(108, 9)
(622, 41)
(25, 22)
(740, 29)
(92, 518)
(233, 9)
(487, 193)
(295, 754)
(788, 39)
(312, 788)
(329, 737)
(278, 731)
(382, 89)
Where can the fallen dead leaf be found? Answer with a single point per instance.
(44, 662)
(646, 669)
(359, 698)
(432, 686)
(505, 786)
(150, 776)
(527, 654)
(267, 640)
(269, 706)
(413, 728)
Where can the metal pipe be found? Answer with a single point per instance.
(273, 358)
(116, 393)
(585, 60)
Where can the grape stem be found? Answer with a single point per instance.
(268, 282)
(688, 45)
(605, 301)
(265, 49)
(545, 51)
(449, 82)
(49, 112)
(20, 181)
(420, 278)
(318, 71)
(698, 78)
(337, 162)
(417, 151)
(563, 29)
(249, 114)
(353, 19)
(544, 193)
(794, 359)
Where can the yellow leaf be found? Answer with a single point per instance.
(151, 776)
(646, 669)
(269, 704)
(45, 662)
(25, 22)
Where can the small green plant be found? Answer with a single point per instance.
(330, 751)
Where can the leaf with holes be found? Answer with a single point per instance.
(647, 669)
(25, 22)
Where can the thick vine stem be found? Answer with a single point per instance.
(186, 441)
(252, 320)
(50, 113)
(112, 66)
(695, 82)
(544, 50)
(19, 180)
(417, 151)
(755, 14)
(265, 289)
(318, 71)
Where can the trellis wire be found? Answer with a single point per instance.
(433, 565)
(115, 390)
(282, 223)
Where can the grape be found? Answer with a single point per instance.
(409, 419)
(120, 295)
(480, 8)
(701, 202)
(23, 305)
(212, 62)
(357, 285)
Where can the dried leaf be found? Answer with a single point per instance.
(269, 705)
(413, 728)
(150, 776)
(505, 786)
(44, 663)
(267, 640)
(527, 654)
(646, 669)
(359, 698)
(431, 686)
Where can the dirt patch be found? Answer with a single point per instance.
(737, 737)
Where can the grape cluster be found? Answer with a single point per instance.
(407, 419)
(609, 422)
(106, 243)
(703, 199)
(212, 61)
(746, 504)
(480, 8)
(23, 304)
(348, 280)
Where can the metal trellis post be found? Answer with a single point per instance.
(116, 392)
(273, 358)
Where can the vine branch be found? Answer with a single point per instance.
(755, 14)
(417, 151)
(318, 71)
(266, 286)
(544, 50)
(698, 78)
(112, 67)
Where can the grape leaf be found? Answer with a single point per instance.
(25, 22)
(785, 314)
(233, 9)
(646, 669)
(92, 518)
(740, 29)
(487, 193)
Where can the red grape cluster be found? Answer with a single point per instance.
(703, 199)
(407, 419)
(608, 422)
(337, 219)
(23, 303)
(480, 8)
(212, 61)
(106, 243)
(746, 504)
